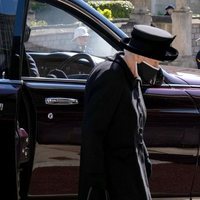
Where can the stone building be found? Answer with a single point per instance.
(152, 12)
(157, 7)
(180, 24)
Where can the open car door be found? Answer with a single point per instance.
(13, 135)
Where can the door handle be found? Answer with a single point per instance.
(60, 101)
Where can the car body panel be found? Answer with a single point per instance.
(57, 124)
(9, 92)
(172, 146)
(54, 110)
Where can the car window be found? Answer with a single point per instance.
(7, 18)
(60, 37)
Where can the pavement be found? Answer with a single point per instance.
(56, 155)
(56, 171)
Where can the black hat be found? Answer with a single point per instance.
(151, 42)
(169, 6)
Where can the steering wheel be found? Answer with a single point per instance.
(65, 65)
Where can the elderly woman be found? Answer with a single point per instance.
(80, 39)
(114, 159)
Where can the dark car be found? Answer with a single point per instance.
(42, 87)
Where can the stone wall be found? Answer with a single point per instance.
(195, 6)
(158, 6)
(163, 22)
(51, 38)
(195, 36)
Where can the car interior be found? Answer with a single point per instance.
(57, 56)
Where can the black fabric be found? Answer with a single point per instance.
(113, 153)
(151, 42)
(149, 75)
(97, 194)
(169, 6)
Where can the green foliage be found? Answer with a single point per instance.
(37, 6)
(38, 23)
(106, 12)
(119, 9)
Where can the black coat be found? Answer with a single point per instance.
(113, 153)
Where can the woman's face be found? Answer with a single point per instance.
(151, 61)
(82, 40)
(170, 11)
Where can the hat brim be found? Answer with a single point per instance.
(170, 54)
(169, 7)
(85, 35)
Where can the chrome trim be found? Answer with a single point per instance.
(53, 86)
(5, 81)
(58, 80)
(60, 101)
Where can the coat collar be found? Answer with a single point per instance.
(131, 79)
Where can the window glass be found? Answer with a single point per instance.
(7, 18)
(54, 39)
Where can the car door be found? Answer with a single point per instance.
(172, 137)
(11, 18)
(195, 193)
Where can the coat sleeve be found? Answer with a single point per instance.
(102, 97)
